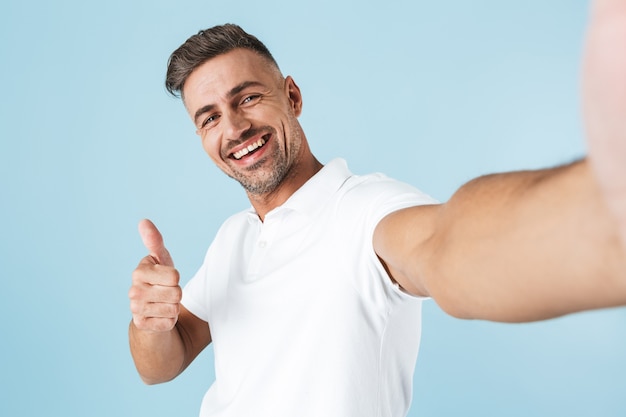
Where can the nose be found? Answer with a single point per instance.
(235, 124)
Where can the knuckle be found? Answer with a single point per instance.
(173, 295)
(140, 322)
(134, 292)
(135, 307)
(171, 310)
(171, 276)
(145, 267)
(155, 324)
(137, 275)
(178, 294)
(163, 324)
(170, 323)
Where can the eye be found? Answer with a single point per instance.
(209, 120)
(250, 98)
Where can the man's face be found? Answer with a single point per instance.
(246, 115)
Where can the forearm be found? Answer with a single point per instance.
(159, 356)
(525, 246)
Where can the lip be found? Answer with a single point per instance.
(253, 156)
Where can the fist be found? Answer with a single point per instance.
(155, 293)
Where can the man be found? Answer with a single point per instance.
(312, 298)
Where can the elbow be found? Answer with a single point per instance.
(154, 380)
(149, 381)
(453, 305)
(451, 294)
(466, 299)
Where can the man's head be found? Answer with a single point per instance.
(205, 45)
(244, 110)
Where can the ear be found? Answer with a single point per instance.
(294, 95)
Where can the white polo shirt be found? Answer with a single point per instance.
(304, 319)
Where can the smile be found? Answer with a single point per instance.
(251, 148)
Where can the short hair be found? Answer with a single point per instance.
(203, 46)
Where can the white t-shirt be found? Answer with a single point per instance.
(304, 319)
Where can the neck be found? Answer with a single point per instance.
(295, 178)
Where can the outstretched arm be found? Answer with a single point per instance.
(510, 247)
(536, 244)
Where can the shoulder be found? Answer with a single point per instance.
(377, 190)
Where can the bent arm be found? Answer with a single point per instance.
(162, 356)
(164, 336)
(510, 247)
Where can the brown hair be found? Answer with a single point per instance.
(205, 45)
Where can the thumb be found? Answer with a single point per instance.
(153, 241)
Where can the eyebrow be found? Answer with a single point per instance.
(233, 92)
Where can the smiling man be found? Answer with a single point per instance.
(312, 297)
(246, 114)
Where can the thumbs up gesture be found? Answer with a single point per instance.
(155, 293)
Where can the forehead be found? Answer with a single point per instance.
(216, 77)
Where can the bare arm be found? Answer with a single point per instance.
(164, 336)
(162, 356)
(511, 247)
(536, 244)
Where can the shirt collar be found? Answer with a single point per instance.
(313, 195)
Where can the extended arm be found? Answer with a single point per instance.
(511, 247)
(536, 244)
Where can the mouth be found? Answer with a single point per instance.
(251, 148)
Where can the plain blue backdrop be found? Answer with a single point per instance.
(430, 92)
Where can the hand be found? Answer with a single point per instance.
(604, 102)
(155, 294)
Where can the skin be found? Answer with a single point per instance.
(511, 247)
(532, 245)
(234, 100)
(237, 99)
(604, 103)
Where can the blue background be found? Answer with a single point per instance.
(432, 93)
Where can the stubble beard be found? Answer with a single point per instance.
(266, 175)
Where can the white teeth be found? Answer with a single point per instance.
(245, 151)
